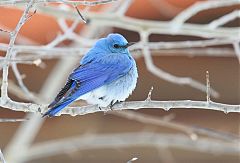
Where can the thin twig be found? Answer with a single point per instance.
(149, 97)
(208, 87)
(167, 76)
(133, 159)
(12, 120)
(3, 30)
(19, 78)
(79, 13)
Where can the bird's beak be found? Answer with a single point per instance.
(129, 44)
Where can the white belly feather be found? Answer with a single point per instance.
(118, 90)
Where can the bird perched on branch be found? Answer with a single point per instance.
(107, 74)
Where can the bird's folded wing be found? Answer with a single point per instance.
(61, 93)
(91, 76)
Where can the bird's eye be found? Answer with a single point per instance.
(116, 46)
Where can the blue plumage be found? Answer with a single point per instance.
(107, 74)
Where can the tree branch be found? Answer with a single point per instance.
(99, 141)
(134, 105)
(224, 19)
(165, 122)
(12, 120)
(78, 2)
(181, 18)
(153, 46)
(13, 36)
(139, 25)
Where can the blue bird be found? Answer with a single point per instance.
(107, 74)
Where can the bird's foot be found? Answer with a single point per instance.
(113, 103)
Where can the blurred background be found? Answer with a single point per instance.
(53, 40)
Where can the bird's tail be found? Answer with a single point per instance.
(54, 110)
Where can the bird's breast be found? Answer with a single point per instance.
(118, 90)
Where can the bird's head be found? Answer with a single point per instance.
(117, 43)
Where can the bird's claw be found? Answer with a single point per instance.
(112, 104)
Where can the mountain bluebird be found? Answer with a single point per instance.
(107, 74)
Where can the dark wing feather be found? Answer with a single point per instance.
(62, 92)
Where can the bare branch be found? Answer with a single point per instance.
(18, 76)
(162, 121)
(81, 16)
(78, 2)
(186, 44)
(12, 120)
(224, 19)
(181, 18)
(124, 7)
(13, 36)
(149, 139)
(169, 77)
(88, 42)
(139, 25)
(3, 30)
(14, 89)
(149, 97)
(194, 52)
(134, 105)
(208, 87)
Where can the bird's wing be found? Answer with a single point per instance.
(86, 78)
(97, 74)
(61, 93)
